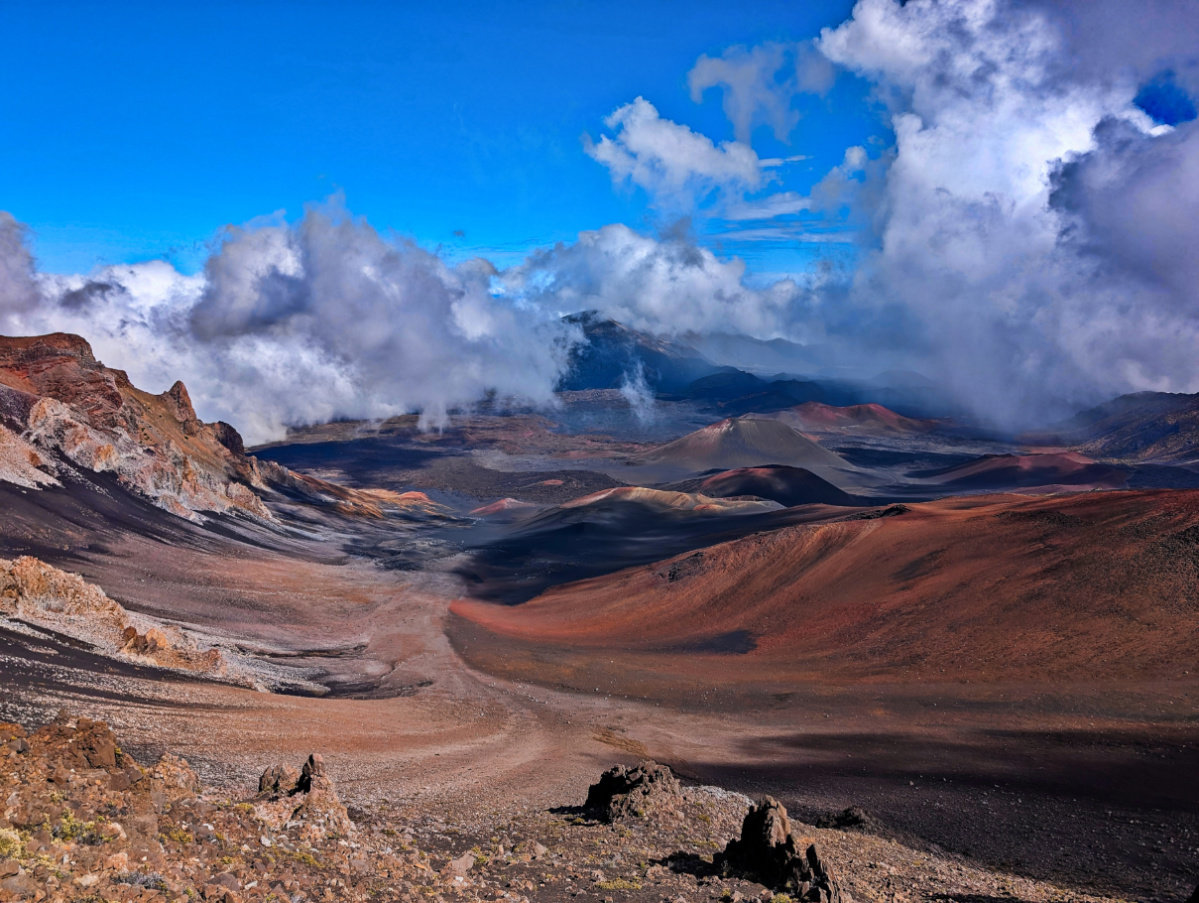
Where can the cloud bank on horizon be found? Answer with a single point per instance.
(1026, 238)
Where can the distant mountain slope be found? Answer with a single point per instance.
(614, 353)
(865, 419)
(1092, 586)
(1146, 427)
(744, 442)
(995, 473)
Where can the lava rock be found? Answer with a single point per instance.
(313, 774)
(278, 780)
(851, 819)
(624, 792)
(769, 852)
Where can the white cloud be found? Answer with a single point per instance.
(666, 286)
(987, 107)
(18, 288)
(674, 164)
(752, 93)
(782, 203)
(297, 324)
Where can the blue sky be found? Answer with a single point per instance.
(134, 131)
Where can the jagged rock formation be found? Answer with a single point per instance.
(624, 792)
(81, 820)
(305, 799)
(36, 593)
(61, 408)
(769, 852)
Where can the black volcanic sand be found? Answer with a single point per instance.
(387, 463)
(513, 564)
(1118, 807)
(1092, 787)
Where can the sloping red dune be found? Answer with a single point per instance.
(998, 472)
(857, 418)
(993, 588)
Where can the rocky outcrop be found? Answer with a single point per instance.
(81, 820)
(636, 792)
(306, 800)
(60, 408)
(22, 464)
(769, 852)
(41, 595)
(852, 819)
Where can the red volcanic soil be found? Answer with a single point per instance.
(1027, 471)
(789, 486)
(663, 500)
(743, 442)
(504, 507)
(1000, 588)
(860, 418)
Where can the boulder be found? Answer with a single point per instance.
(307, 797)
(71, 743)
(852, 819)
(624, 792)
(769, 852)
(278, 780)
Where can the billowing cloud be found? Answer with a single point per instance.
(18, 287)
(1027, 239)
(666, 285)
(1016, 189)
(674, 164)
(303, 323)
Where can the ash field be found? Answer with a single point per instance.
(966, 664)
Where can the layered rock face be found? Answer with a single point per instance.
(61, 408)
(38, 594)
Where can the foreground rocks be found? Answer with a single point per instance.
(305, 799)
(770, 852)
(622, 793)
(82, 819)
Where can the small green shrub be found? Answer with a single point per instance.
(621, 884)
